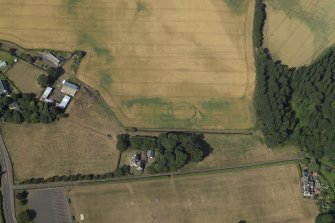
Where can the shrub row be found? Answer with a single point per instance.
(122, 171)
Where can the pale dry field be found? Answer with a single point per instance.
(298, 31)
(177, 63)
(78, 144)
(270, 194)
(24, 76)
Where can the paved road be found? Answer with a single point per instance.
(7, 184)
(75, 183)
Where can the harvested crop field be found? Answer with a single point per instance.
(24, 76)
(298, 31)
(270, 194)
(83, 143)
(181, 63)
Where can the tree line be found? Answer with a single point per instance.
(119, 172)
(29, 109)
(173, 150)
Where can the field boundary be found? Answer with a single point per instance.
(157, 176)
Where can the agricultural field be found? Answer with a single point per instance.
(269, 194)
(24, 77)
(298, 31)
(181, 63)
(82, 143)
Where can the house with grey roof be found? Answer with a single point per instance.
(151, 153)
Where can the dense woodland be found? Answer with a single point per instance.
(295, 105)
(173, 150)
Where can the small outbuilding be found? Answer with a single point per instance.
(64, 102)
(4, 87)
(3, 64)
(69, 88)
(46, 94)
(151, 153)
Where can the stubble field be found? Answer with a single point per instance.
(298, 31)
(186, 64)
(269, 194)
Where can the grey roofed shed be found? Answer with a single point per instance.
(4, 87)
(151, 153)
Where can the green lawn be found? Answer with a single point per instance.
(5, 56)
(9, 59)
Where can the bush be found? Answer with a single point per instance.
(119, 172)
(314, 167)
(306, 161)
(28, 58)
(42, 80)
(54, 74)
(123, 142)
(22, 195)
(122, 171)
(324, 218)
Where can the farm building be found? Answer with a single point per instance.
(309, 184)
(4, 87)
(46, 94)
(53, 59)
(151, 153)
(69, 88)
(2, 64)
(64, 102)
